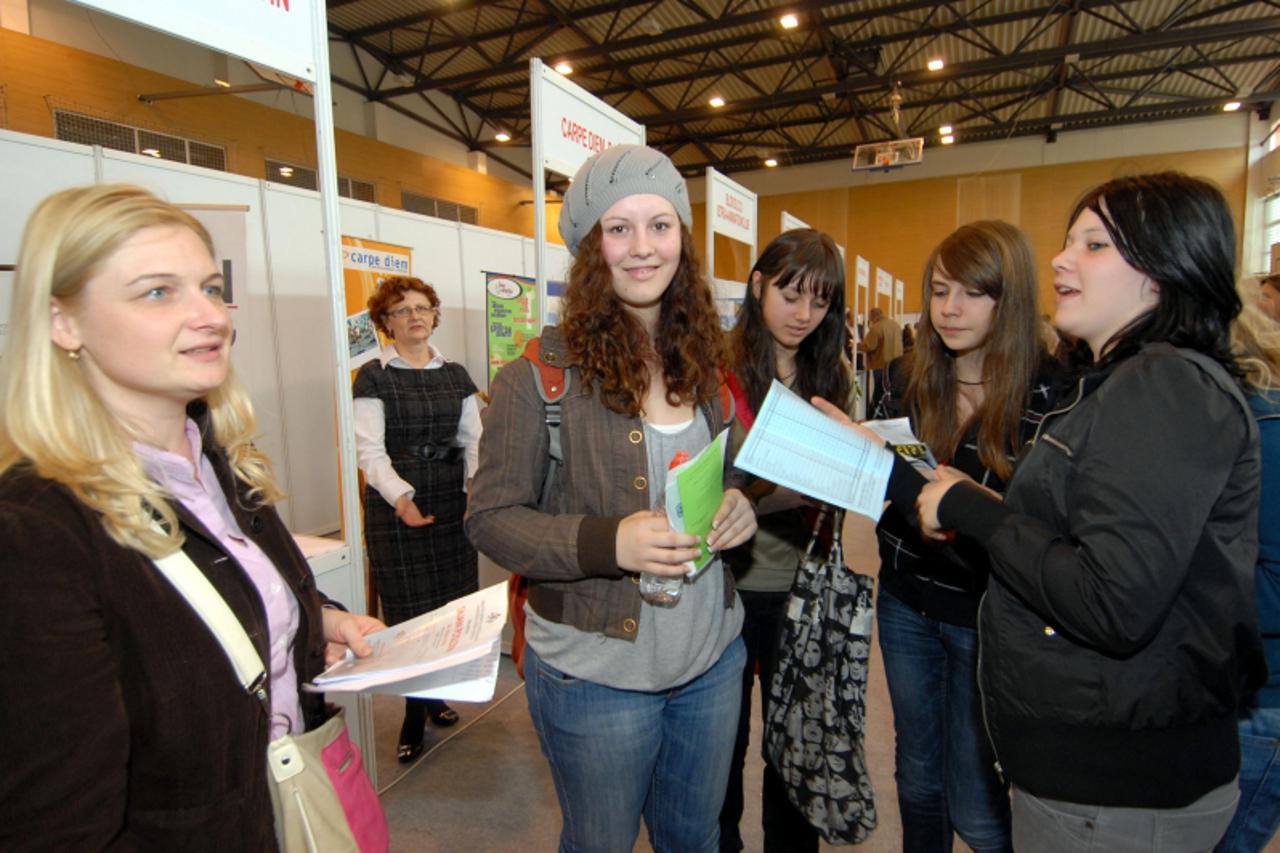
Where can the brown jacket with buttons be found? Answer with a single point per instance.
(567, 551)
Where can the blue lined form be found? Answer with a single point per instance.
(794, 445)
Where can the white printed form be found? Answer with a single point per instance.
(794, 445)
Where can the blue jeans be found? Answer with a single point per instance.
(618, 754)
(945, 768)
(1258, 814)
(785, 828)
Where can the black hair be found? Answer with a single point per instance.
(1177, 230)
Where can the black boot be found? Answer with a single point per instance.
(415, 720)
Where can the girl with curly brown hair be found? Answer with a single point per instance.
(635, 703)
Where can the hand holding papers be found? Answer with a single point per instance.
(898, 433)
(794, 445)
(449, 653)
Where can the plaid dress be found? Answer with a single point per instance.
(419, 568)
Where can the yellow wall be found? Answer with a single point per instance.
(38, 76)
(896, 225)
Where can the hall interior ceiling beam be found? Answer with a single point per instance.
(814, 92)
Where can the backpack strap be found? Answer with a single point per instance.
(552, 382)
(726, 397)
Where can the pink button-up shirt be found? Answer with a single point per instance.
(203, 497)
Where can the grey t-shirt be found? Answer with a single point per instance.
(673, 645)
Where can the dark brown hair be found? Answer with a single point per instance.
(392, 290)
(995, 258)
(610, 346)
(810, 260)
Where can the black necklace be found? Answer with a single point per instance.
(979, 382)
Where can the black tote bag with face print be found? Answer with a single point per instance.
(817, 699)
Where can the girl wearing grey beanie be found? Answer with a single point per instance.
(635, 703)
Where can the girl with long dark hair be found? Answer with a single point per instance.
(975, 387)
(790, 329)
(1118, 628)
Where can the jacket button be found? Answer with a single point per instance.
(255, 524)
(1049, 632)
(629, 625)
(635, 436)
(640, 483)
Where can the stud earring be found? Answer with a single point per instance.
(73, 354)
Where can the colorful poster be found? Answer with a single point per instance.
(365, 263)
(511, 316)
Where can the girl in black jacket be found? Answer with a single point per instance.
(1117, 631)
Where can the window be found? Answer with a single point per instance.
(88, 130)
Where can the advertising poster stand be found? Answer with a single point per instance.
(731, 213)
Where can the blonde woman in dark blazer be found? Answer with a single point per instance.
(124, 436)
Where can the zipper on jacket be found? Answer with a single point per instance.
(982, 698)
(1062, 411)
(1058, 444)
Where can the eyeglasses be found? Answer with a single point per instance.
(420, 310)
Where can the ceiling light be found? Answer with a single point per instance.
(151, 152)
(935, 64)
(948, 139)
(945, 130)
(716, 101)
(1231, 106)
(771, 162)
(564, 68)
(789, 22)
(217, 81)
(502, 136)
(286, 171)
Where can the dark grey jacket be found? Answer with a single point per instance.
(568, 551)
(1118, 631)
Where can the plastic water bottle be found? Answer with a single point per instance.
(664, 590)
(661, 590)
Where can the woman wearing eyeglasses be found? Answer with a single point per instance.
(417, 424)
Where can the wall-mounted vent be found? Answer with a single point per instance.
(439, 208)
(89, 130)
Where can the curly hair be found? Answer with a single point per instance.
(810, 260)
(392, 290)
(612, 348)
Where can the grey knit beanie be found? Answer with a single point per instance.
(612, 175)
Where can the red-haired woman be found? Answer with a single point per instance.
(635, 704)
(417, 428)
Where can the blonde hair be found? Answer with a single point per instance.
(52, 420)
(1255, 338)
